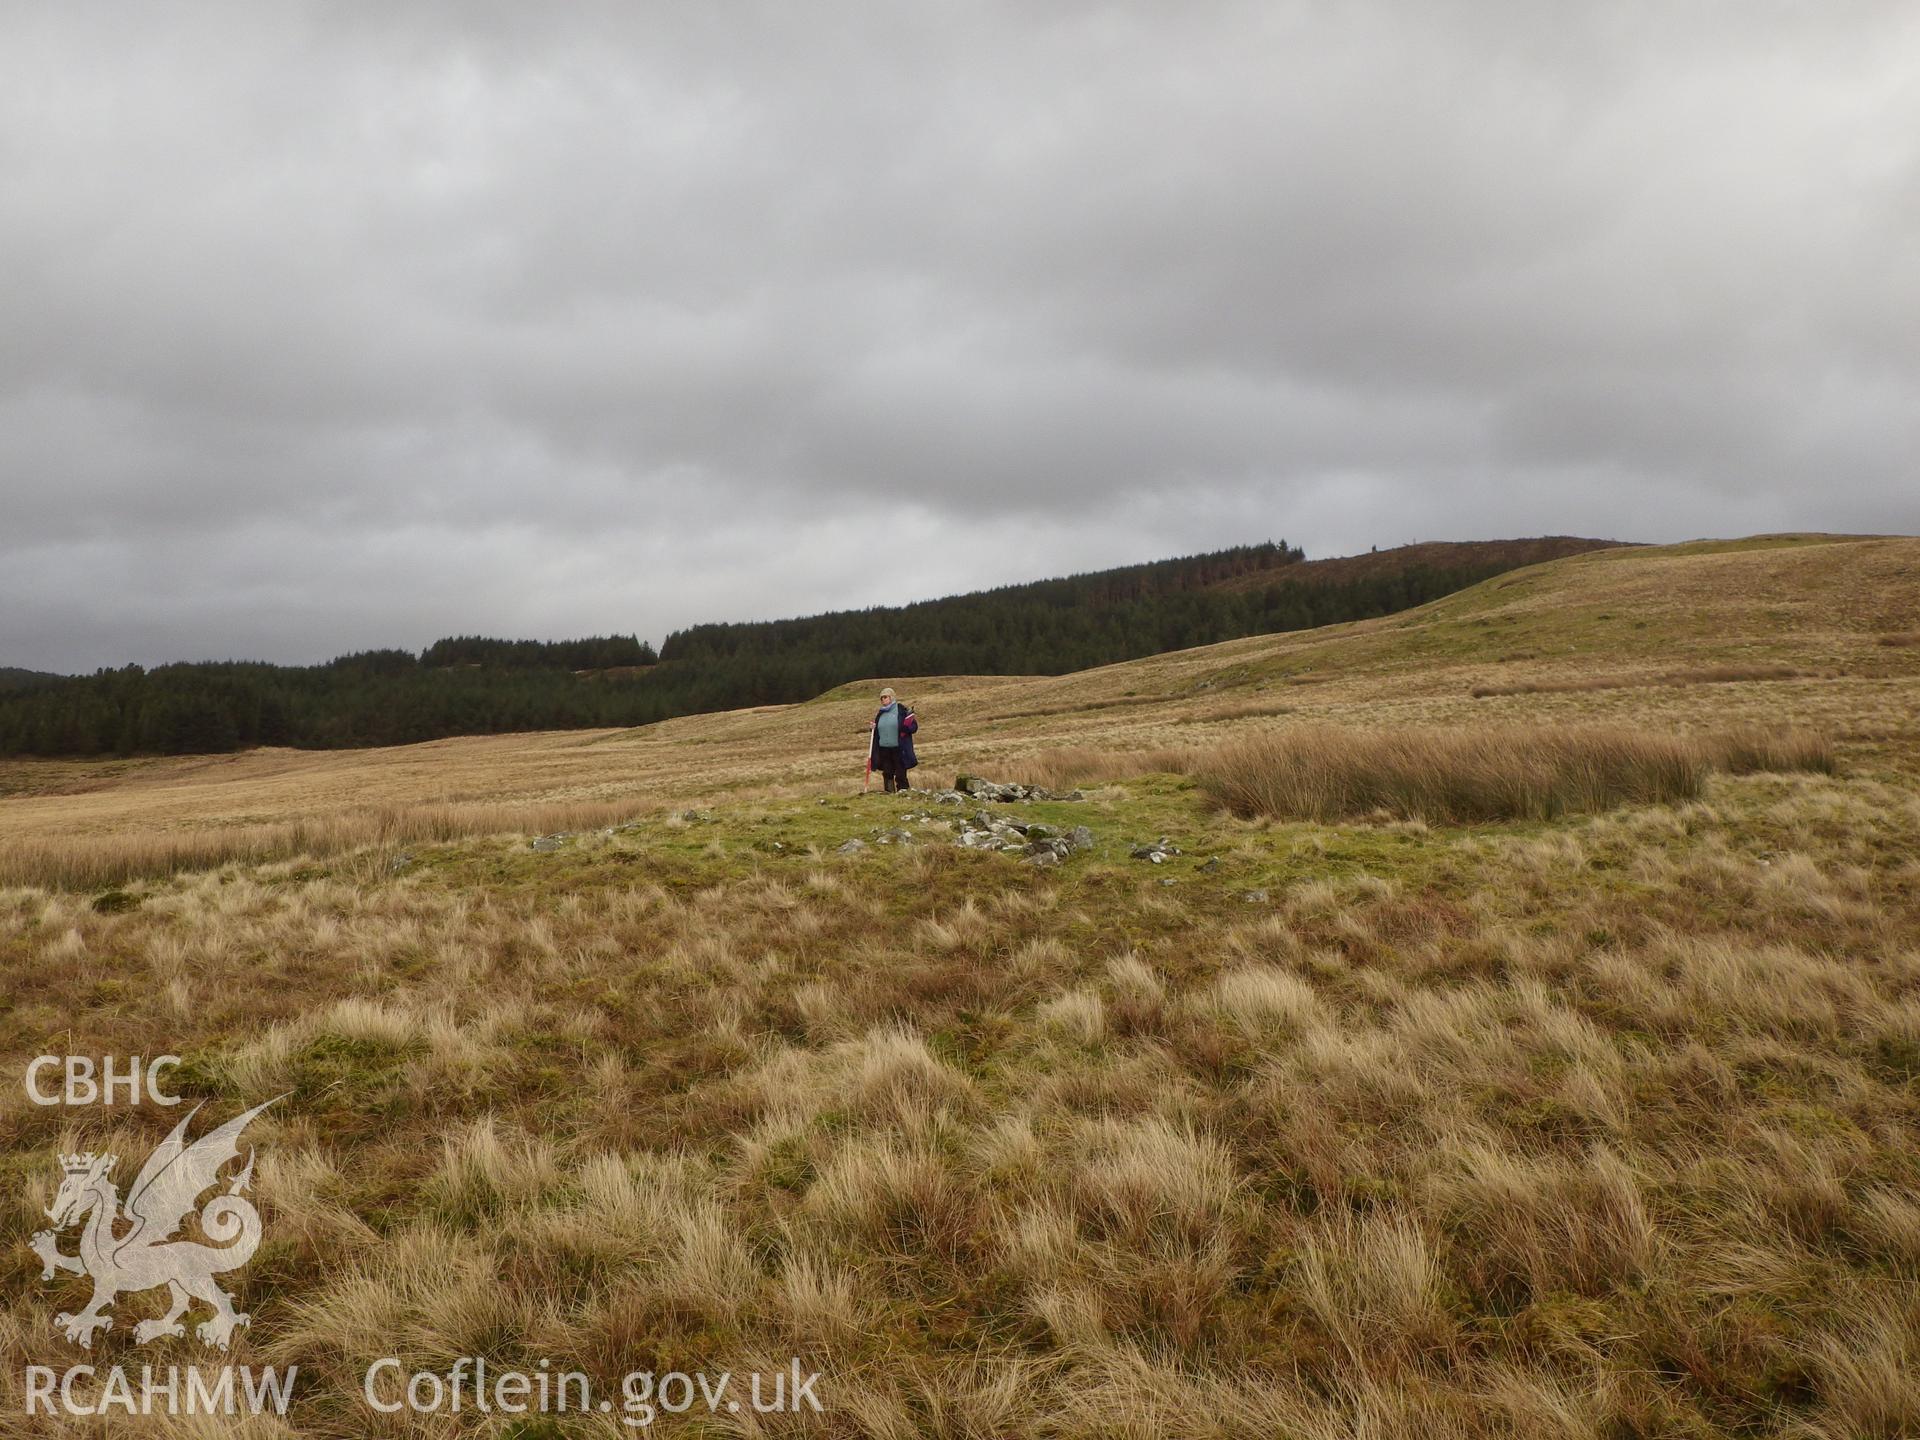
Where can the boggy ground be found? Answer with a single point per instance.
(1602, 1126)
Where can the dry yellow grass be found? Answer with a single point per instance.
(1463, 776)
(1815, 604)
(93, 861)
(1090, 765)
(1601, 1125)
(1616, 1118)
(1704, 675)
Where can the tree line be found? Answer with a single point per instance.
(600, 653)
(471, 685)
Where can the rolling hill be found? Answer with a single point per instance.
(1820, 605)
(1484, 557)
(665, 1046)
(473, 685)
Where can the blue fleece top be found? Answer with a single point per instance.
(888, 726)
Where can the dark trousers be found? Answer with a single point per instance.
(893, 769)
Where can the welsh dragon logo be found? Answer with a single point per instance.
(144, 1255)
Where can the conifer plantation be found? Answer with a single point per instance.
(470, 685)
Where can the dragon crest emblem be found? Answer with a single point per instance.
(133, 1249)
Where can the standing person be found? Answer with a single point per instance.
(891, 751)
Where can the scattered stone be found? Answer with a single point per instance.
(547, 844)
(1158, 853)
(973, 788)
(1041, 859)
(851, 847)
(698, 817)
(1255, 897)
(1008, 792)
(895, 836)
(394, 866)
(1169, 881)
(983, 832)
(1213, 865)
(988, 830)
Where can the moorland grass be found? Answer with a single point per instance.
(1605, 1125)
(1700, 675)
(91, 862)
(1602, 1127)
(1451, 776)
(1470, 775)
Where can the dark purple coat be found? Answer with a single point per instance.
(909, 723)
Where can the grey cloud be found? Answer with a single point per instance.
(340, 325)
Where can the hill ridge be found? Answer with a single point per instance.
(473, 685)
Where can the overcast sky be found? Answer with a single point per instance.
(332, 326)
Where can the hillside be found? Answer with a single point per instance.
(1055, 626)
(14, 678)
(1819, 604)
(1484, 557)
(472, 685)
(665, 1047)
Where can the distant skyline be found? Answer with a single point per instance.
(334, 327)
(657, 640)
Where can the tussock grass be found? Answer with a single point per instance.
(1456, 776)
(1568, 1130)
(1462, 776)
(1751, 750)
(1475, 775)
(1259, 996)
(1606, 1129)
(1901, 638)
